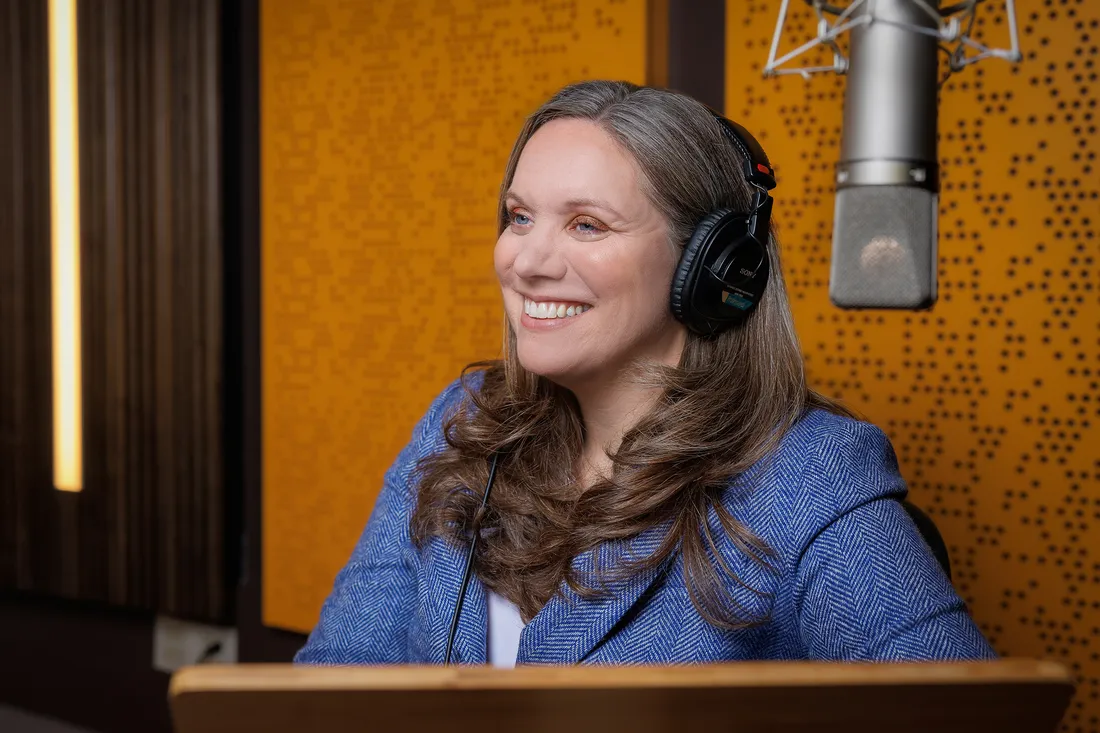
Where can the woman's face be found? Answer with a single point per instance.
(585, 263)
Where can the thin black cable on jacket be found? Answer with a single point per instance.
(470, 559)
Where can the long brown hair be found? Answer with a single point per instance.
(723, 407)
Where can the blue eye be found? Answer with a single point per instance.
(520, 219)
(588, 227)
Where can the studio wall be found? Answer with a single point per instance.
(385, 130)
(84, 575)
(990, 398)
(149, 528)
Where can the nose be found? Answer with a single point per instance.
(540, 256)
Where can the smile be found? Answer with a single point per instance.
(548, 310)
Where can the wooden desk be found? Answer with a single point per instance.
(1006, 696)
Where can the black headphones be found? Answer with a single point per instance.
(724, 267)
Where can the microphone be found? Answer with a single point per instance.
(887, 198)
(887, 180)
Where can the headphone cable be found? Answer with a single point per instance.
(470, 558)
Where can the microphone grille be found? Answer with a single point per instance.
(884, 247)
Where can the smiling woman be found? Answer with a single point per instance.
(664, 486)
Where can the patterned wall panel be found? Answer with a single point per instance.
(385, 129)
(990, 398)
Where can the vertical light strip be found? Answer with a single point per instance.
(68, 438)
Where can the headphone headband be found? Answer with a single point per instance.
(756, 167)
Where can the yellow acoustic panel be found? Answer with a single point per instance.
(990, 398)
(386, 126)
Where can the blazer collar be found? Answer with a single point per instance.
(569, 627)
(565, 631)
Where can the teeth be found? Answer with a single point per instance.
(549, 311)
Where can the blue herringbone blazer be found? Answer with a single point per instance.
(856, 580)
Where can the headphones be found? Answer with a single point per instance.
(724, 267)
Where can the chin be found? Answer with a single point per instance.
(558, 365)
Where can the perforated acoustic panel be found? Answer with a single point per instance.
(386, 126)
(991, 397)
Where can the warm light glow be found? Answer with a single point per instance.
(68, 458)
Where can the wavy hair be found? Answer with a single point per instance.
(723, 408)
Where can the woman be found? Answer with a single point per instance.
(665, 487)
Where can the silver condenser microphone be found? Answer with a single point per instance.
(884, 230)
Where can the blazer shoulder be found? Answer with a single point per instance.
(853, 456)
(388, 527)
(428, 434)
(836, 441)
(427, 439)
(825, 466)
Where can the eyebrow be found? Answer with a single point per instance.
(578, 203)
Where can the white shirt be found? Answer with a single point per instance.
(505, 625)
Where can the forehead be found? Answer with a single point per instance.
(574, 158)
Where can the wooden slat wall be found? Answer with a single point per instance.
(25, 405)
(149, 529)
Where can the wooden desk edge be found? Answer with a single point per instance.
(286, 677)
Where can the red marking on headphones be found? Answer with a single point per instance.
(763, 168)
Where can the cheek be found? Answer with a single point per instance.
(660, 268)
(643, 281)
(504, 255)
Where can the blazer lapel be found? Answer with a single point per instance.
(443, 566)
(569, 627)
(473, 627)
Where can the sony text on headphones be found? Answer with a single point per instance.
(724, 268)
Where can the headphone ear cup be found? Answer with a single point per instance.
(683, 280)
